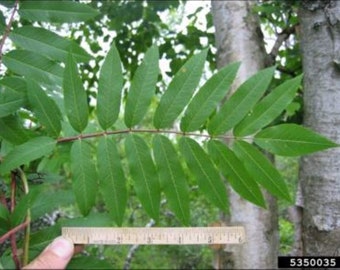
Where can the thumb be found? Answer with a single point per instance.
(55, 256)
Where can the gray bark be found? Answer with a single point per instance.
(320, 173)
(238, 38)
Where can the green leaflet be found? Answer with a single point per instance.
(269, 108)
(27, 152)
(84, 176)
(75, 99)
(292, 140)
(261, 169)
(11, 129)
(34, 66)
(203, 169)
(56, 11)
(142, 88)
(44, 108)
(26, 202)
(12, 95)
(241, 102)
(4, 219)
(180, 91)
(42, 206)
(144, 174)
(208, 97)
(236, 174)
(172, 177)
(109, 89)
(50, 44)
(111, 179)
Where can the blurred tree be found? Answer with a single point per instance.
(239, 38)
(319, 173)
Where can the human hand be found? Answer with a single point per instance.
(55, 256)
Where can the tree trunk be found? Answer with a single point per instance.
(239, 38)
(320, 173)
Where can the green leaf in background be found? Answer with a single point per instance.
(91, 220)
(261, 169)
(12, 130)
(144, 174)
(208, 97)
(42, 206)
(142, 88)
(292, 140)
(173, 179)
(56, 11)
(34, 66)
(27, 152)
(44, 108)
(241, 102)
(111, 178)
(180, 91)
(50, 44)
(234, 171)
(12, 95)
(20, 212)
(84, 176)
(109, 89)
(206, 175)
(4, 219)
(89, 262)
(4, 213)
(269, 107)
(75, 98)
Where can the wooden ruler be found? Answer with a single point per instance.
(155, 235)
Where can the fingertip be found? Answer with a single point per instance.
(62, 247)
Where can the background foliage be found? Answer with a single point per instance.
(108, 131)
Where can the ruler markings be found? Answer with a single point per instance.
(155, 235)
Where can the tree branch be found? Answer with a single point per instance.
(12, 236)
(283, 36)
(16, 229)
(8, 29)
